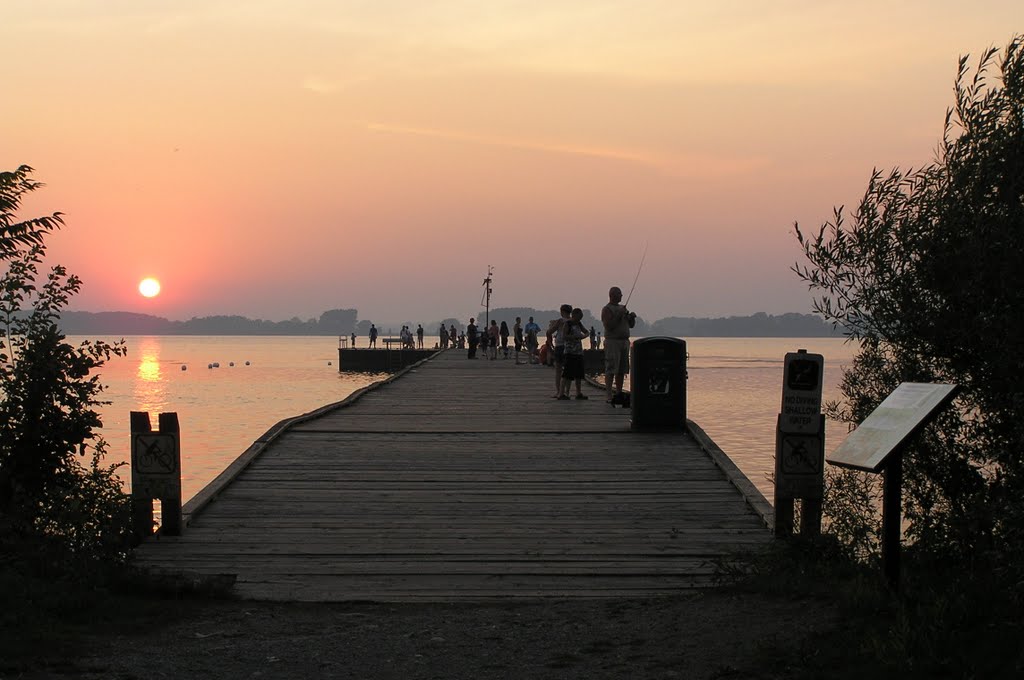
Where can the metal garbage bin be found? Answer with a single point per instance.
(658, 384)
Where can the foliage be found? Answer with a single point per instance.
(945, 622)
(48, 396)
(929, 278)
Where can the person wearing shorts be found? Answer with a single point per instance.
(556, 339)
(617, 321)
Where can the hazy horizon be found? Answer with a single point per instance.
(398, 323)
(277, 159)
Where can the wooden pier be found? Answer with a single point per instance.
(365, 360)
(464, 479)
(388, 359)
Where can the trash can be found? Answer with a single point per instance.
(658, 384)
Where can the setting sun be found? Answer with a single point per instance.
(149, 287)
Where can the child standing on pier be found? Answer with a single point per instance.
(572, 361)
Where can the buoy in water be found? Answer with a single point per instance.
(209, 365)
(184, 367)
(246, 363)
(216, 364)
(328, 363)
(231, 363)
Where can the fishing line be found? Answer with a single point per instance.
(639, 269)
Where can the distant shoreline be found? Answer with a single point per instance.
(345, 321)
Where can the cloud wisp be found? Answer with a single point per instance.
(677, 165)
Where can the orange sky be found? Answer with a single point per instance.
(280, 158)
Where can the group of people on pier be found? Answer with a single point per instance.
(409, 339)
(449, 337)
(563, 346)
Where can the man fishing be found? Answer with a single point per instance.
(617, 321)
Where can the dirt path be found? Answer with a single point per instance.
(711, 634)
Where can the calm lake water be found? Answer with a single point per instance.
(734, 392)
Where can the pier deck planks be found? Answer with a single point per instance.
(464, 479)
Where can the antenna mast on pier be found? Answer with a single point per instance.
(487, 296)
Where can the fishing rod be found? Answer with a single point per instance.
(637, 277)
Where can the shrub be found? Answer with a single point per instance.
(928, 277)
(53, 483)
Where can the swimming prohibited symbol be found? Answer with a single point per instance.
(801, 455)
(155, 454)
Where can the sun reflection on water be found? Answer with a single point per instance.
(149, 389)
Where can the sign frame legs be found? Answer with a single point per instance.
(892, 518)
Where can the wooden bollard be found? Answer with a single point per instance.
(156, 473)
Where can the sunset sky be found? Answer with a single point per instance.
(277, 158)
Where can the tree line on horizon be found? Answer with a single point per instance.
(346, 321)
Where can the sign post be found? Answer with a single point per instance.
(877, 446)
(800, 444)
(156, 473)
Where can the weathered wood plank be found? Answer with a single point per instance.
(463, 479)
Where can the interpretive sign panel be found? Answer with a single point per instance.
(801, 393)
(903, 413)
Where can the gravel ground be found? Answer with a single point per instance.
(707, 634)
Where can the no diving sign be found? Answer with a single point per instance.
(799, 438)
(801, 393)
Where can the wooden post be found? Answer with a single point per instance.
(142, 506)
(170, 506)
(800, 445)
(783, 516)
(892, 518)
(800, 477)
(810, 517)
(156, 473)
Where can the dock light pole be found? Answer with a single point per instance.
(487, 296)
